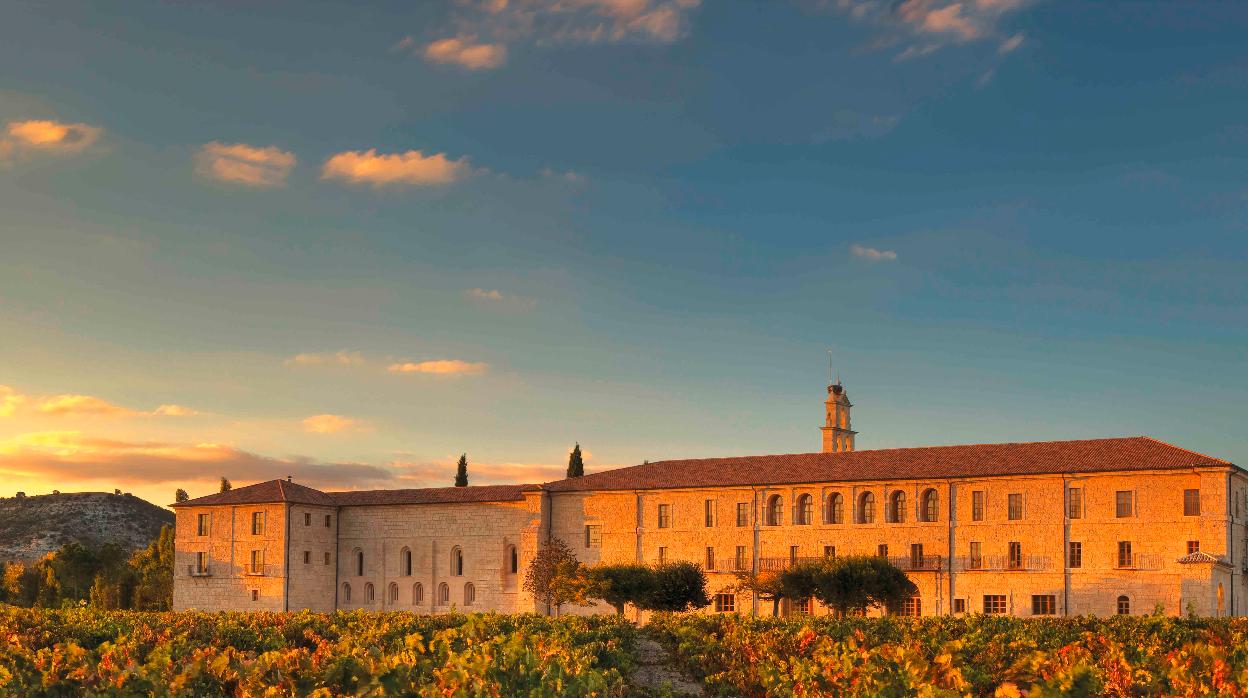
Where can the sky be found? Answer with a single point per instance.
(348, 242)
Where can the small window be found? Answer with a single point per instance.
(405, 563)
(975, 560)
(916, 556)
(708, 513)
(1124, 606)
(1016, 507)
(470, 594)
(829, 551)
(307, 557)
(994, 603)
(359, 563)
(662, 555)
(959, 605)
(743, 513)
(665, 516)
(739, 562)
(881, 550)
(203, 521)
(255, 594)
(775, 507)
(1123, 504)
(327, 520)
(896, 512)
(1043, 604)
(593, 536)
(805, 510)
(257, 523)
(930, 509)
(1193, 546)
(513, 560)
(444, 594)
(1016, 555)
(327, 557)
(257, 562)
(1191, 502)
(725, 603)
(977, 505)
(1074, 558)
(418, 594)
(457, 562)
(792, 554)
(866, 508)
(1124, 554)
(710, 557)
(369, 596)
(394, 593)
(307, 519)
(346, 593)
(1074, 503)
(836, 509)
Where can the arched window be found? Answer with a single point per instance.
(836, 509)
(359, 563)
(931, 502)
(394, 593)
(774, 509)
(1124, 606)
(805, 510)
(470, 594)
(444, 593)
(346, 593)
(513, 560)
(418, 594)
(368, 593)
(866, 508)
(897, 507)
(457, 561)
(405, 563)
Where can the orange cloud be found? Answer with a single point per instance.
(249, 165)
(923, 27)
(342, 358)
(940, 20)
(441, 367)
(46, 136)
(872, 254)
(10, 400)
(328, 424)
(441, 474)
(174, 411)
(466, 52)
(81, 406)
(412, 168)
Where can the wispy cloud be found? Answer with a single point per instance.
(498, 299)
(466, 52)
(46, 136)
(922, 27)
(329, 424)
(441, 367)
(412, 168)
(1010, 44)
(10, 400)
(341, 358)
(81, 406)
(174, 411)
(442, 473)
(872, 254)
(249, 165)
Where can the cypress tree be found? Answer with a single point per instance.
(461, 471)
(181, 495)
(225, 485)
(576, 466)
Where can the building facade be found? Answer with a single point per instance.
(1102, 526)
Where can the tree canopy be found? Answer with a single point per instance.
(555, 577)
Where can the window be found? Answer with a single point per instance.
(394, 593)
(201, 563)
(916, 556)
(710, 557)
(470, 594)
(307, 519)
(959, 605)
(346, 593)
(1124, 606)
(202, 522)
(665, 516)
(881, 550)
(1015, 507)
(457, 562)
(930, 504)
(257, 562)
(1124, 553)
(866, 508)
(1043, 604)
(1074, 558)
(405, 563)
(255, 594)
(1191, 503)
(369, 596)
(911, 606)
(740, 557)
(725, 603)
(799, 607)
(1074, 503)
(774, 510)
(708, 513)
(257, 523)
(307, 557)
(743, 513)
(896, 507)
(976, 559)
(513, 560)
(994, 603)
(327, 558)
(359, 563)
(836, 509)
(1016, 555)
(1193, 546)
(444, 594)
(792, 554)
(1122, 502)
(977, 505)
(805, 510)
(327, 519)
(593, 536)
(418, 594)
(829, 551)
(662, 555)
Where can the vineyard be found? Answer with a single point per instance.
(100, 653)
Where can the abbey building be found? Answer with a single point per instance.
(1102, 526)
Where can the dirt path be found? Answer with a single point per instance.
(656, 669)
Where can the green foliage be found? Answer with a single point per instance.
(153, 573)
(576, 466)
(678, 586)
(225, 485)
(555, 577)
(849, 584)
(180, 496)
(768, 585)
(461, 471)
(622, 584)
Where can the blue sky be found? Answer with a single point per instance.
(350, 243)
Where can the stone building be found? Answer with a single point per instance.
(1101, 526)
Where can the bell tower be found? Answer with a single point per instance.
(837, 434)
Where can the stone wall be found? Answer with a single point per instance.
(229, 582)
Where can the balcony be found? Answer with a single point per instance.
(729, 565)
(1147, 562)
(197, 571)
(1003, 563)
(906, 563)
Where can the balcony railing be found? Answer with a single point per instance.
(1137, 561)
(729, 565)
(197, 571)
(907, 563)
(1005, 563)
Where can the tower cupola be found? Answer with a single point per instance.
(838, 435)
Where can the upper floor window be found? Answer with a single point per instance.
(405, 562)
(1124, 554)
(775, 507)
(739, 558)
(836, 509)
(257, 523)
(975, 560)
(359, 563)
(201, 563)
(1124, 501)
(1074, 556)
(1191, 502)
(896, 512)
(665, 516)
(593, 536)
(928, 510)
(708, 512)
(710, 557)
(805, 510)
(457, 561)
(307, 519)
(743, 513)
(866, 508)
(513, 560)
(977, 505)
(257, 562)
(328, 517)
(1074, 503)
(1016, 555)
(201, 524)
(1015, 507)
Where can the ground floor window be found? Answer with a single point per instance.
(725, 603)
(1124, 606)
(959, 605)
(912, 606)
(994, 603)
(1043, 605)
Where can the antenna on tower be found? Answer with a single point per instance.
(829, 367)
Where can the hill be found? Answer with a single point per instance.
(31, 527)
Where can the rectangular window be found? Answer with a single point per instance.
(910, 606)
(1123, 504)
(977, 505)
(994, 603)
(201, 563)
(959, 605)
(307, 557)
(792, 554)
(1016, 507)
(916, 556)
(1124, 554)
(740, 557)
(257, 562)
(257, 523)
(1075, 503)
(255, 594)
(327, 558)
(1193, 546)
(1075, 557)
(799, 607)
(662, 555)
(307, 519)
(976, 559)
(327, 518)
(829, 551)
(593, 536)
(665, 516)
(881, 550)
(1191, 502)
(743, 513)
(710, 557)
(202, 523)
(725, 603)
(1043, 605)
(709, 512)
(1016, 555)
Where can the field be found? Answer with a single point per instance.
(86, 652)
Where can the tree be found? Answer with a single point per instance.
(181, 496)
(225, 485)
(153, 571)
(461, 471)
(622, 584)
(860, 582)
(765, 584)
(555, 577)
(576, 466)
(678, 586)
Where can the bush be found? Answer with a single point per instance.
(678, 586)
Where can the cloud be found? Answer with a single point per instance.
(342, 358)
(1010, 44)
(496, 298)
(442, 367)
(466, 52)
(412, 168)
(329, 424)
(70, 455)
(81, 406)
(872, 254)
(923, 27)
(441, 474)
(249, 165)
(46, 136)
(174, 411)
(10, 400)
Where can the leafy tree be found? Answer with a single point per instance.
(555, 577)
(153, 570)
(765, 584)
(181, 496)
(21, 584)
(461, 471)
(225, 485)
(576, 466)
(623, 584)
(859, 582)
(678, 586)
(74, 568)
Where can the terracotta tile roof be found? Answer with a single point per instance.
(263, 493)
(933, 462)
(1199, 557)
(285, 491)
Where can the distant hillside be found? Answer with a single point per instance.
(33, 526)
